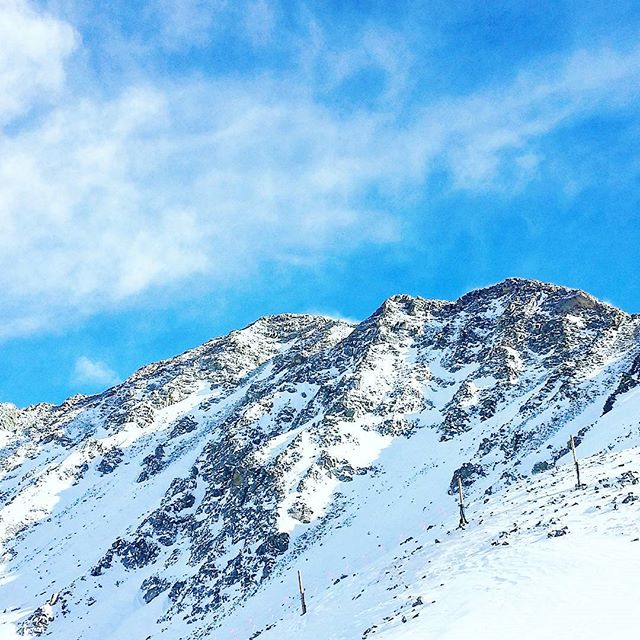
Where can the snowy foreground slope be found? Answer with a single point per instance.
(181, 503)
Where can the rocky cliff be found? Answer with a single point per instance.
(167, 505)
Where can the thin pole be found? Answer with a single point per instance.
(575, 459)
(463, 518)
(303, 604)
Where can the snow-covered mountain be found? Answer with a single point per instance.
(181, 503)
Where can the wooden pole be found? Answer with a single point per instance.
(463, 518)
(572, 444)
(303, 604)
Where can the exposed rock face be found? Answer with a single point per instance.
(468, 474)
(201, 476)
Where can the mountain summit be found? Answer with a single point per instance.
(181, 503)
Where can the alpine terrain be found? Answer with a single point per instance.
(182, 503)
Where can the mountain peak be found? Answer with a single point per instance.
(523, 290)
(266, 450)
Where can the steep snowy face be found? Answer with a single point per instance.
(159, 507)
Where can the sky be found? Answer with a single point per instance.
(173, 169)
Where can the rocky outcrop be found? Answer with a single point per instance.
(200, 477)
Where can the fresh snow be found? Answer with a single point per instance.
(181, 504)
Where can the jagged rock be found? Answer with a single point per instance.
(110, 461)
(152, 587)
(275, 419)
(628, 381)
(276, 544)
(138, 553)
(153, 463)
(37, 623)
(541, 466)
(468, 474)
(184, 501)
(183, 426)
(176, 589)
(9, 416)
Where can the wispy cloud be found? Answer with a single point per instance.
(187, 23)
(93, 373)
(490, 135)
(106, 198)
(260, 21)
(33, 49)
(103, 201)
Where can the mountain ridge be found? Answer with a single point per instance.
(250, 453)
(513, 281)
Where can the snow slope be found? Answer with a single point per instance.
(538, 559)
(181, 503)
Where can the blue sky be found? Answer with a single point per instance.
(171, 170)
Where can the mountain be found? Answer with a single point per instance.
(181, 503)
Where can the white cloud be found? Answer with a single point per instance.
(93, 373)
(490, 132)
(260, 21)
(33, 49)
(104, 200)
(333, 314)
(186, 23)
(330, 66)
